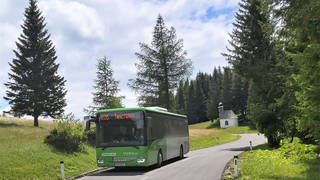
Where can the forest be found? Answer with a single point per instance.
(273, 78)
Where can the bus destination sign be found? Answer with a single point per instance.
(117, 116)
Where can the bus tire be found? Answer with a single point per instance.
(159, 159)
(181, 155)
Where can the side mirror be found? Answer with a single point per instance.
(149, 121)
(88, 123)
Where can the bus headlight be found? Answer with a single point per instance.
(141, 160)
(100, 161)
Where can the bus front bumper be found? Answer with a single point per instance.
(122, 162)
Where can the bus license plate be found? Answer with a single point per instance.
(119, 164)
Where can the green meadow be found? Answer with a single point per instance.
(24, 155)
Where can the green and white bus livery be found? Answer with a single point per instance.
(141, 136)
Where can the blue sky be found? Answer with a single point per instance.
(85, 30)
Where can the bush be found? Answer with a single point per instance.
(214, 123)
(91, 137)
(68, 135)
(297, 151)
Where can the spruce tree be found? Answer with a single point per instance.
(253, 54)
(186, 93)
(239, 92)
(251, 46)
(162, 65)
(180, 99)
(213, 96)
(34, 86)
(192, 105)
(226, 88)
(200, 103)
(301, 32)
(204, 79)
(106, 88)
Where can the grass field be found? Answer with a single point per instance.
(23, 155)
(297, 162)
(207, 134)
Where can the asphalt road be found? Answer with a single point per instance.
(197, 165)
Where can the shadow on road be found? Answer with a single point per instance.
(132, 171)
(245, 148)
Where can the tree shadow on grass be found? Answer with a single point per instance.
(213, 124)
(284, 178)
(66, 152)
(313, 172)
(9, 124)
(262, 147)
(6, 124)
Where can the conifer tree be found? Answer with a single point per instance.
(186, 93)
(226, 88)
(204, 79)
(192, 104)
(34, 86)
(248, 41)
(106, 88)
(180, 99)
(200, 103)
(213, 96)
(301, 32)
(162, 65)
(239, 92)
(253, 54)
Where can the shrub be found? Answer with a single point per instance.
(297, 151)
(317, 150)
(68, 135)
(214, 123)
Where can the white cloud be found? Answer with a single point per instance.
(85, 30)
(6, 109)
(8, 36)
(76, 16)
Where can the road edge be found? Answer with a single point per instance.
(229, 163)
(89, 173)
(227, 166)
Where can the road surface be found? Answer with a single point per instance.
(201, 164)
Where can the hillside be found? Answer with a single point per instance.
(23, 155)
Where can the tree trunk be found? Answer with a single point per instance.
(35, 121)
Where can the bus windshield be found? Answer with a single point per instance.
(122, 128)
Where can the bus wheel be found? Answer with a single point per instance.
(181, 152)
(160, 159)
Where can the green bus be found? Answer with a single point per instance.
(140, 136)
